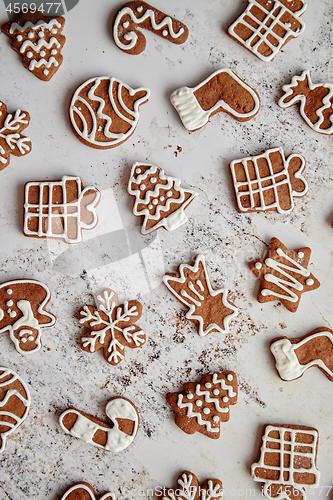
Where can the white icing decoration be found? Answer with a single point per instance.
(54, 52)
(296, 437)
(2, 314)
(191, 302)
(327, 104)
(126, 24)
(190, 413)
(300, 255)
(309, 282)
(259, 186)
(198, 402)
(31, 34)
(42, 62)
(206, 411)
(287, 281)
(193, 116)
(6, 401)
(216, 392)
(129, 116)
(216, 419)
(9, 291)
(175, 218)
(258, 265)
(19, 38)
(189, 396)
(155, 201)
(286, 360)
(29, 54)
(87, 489)
(264, 31)
(12, 314)
(208, 385)
(42, 53)
(225, 399)
(132, 37)
(46, 72)
(16, 27)
(41, 34)
(9, 303)
(230, 377)
(64, 209)
(85, 429)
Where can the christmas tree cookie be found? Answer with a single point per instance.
(159, 199)
(39, 41)
(201, 407)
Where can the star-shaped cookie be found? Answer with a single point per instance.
(284, 275)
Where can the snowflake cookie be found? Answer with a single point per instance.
(39, 41)
(201, 407)
(113, 437)
(11, 139)
(188, 488)
(112, 326)
(84, 491)
(209, 309)
(159, 199)
(284, 275)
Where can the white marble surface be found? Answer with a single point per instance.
(40, 461)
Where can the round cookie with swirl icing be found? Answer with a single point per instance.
(137, 15)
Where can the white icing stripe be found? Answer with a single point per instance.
(41, 44)
(39, 25)
(132, 37)
(192, 114)
(224, 385)
(42, 62)
(190, 413)
(266, 27)
(209, 399)
(289, 282)
(288, 448)
(84, 487)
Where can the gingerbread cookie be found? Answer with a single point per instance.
(138, 15)
(294, 356)
(104, 111)
(112, 326)
(287, 461)
(209, 309)
(160, 199)
(113, 437)
(221, 91)
(14, 403)
(59, 209)
(11, 139)
(84, 491)
(39, 41)
(316, 102)
(202, 407)
(266, 26)
(188, 488)
(284, 275)
(23, 314)
(268, 181)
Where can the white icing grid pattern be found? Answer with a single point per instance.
(288, 446)
(55, 214)
(265, 28)
(255, 186)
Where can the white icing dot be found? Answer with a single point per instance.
(216, 419)
(155, 202)
(30, 34)
(230, 377)
(198, 402)
(208, 385)
(31, 338)
(300, 255)
(41, 34)
(189, 396)
(150, 206)
(9, 303)
(138, 170)
(216, 392)
(142, 187)
(126, 24)
(140, 8)
(309, 282)
(54, 52)
(153, 180)
(225, 399)
(12, 314)
(165, 33)
(29, 54)
(162, 198)
(206, 411)
(9, 291)
(19, 38)
(258, 265)
(42, 53)
(169, 193)
(46, 72)
(23, 340)
(54, 31)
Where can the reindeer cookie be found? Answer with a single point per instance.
(104, 111)
(23, 314)
(138, 15)
(316, 102)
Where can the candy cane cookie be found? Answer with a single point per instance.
(137, 15)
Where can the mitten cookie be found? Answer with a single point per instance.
(112, 327)
(284, 275)
(59, 209)
(83, 491)
(266, 26)
(294, 356)
(159, 198)
(287, 461)
(268, 181)
(221, 91)
(104, 111)
(201, 407)
(23, 314)
(138, 15)
(316, 102)
(188, 488)
(113, 437)
(39, 41)
(209, 309)
(11, 139)
(14, 403)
